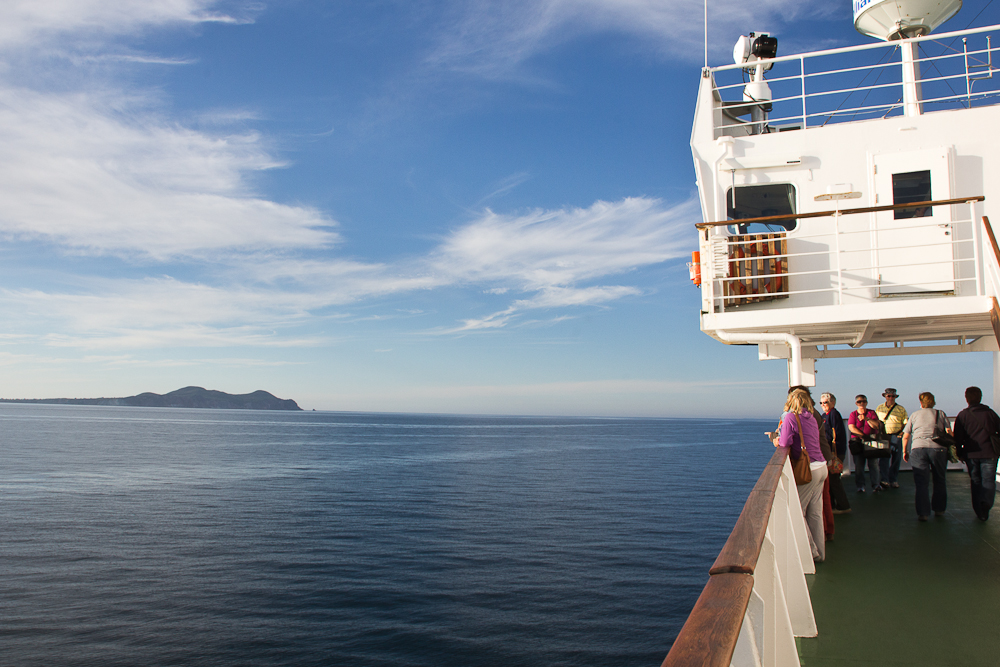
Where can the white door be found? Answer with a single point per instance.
(913, 248)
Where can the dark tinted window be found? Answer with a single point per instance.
(913, 186)
(759, 201)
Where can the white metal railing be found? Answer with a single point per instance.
(857, 262)
(864, 82)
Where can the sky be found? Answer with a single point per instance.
(457, 206)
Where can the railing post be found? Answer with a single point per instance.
(840, 273)
(980, 283)
(802, 80)
(968, 83)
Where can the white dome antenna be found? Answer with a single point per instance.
(900, 19)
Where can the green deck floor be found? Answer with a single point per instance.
(894, 591)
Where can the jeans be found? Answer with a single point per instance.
(889, 467)
(983, 478)
(928, 463)
(859, 471)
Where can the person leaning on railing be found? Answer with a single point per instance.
(800, 433)
(976, 428)
(863, 423)
(928, 459)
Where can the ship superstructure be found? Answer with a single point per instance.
(847, 193)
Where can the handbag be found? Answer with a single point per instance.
(836, 466)
(801, 470)
(875, 448)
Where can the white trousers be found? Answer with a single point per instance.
(811, 499)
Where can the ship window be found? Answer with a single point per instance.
(913, 186)
(760, 201)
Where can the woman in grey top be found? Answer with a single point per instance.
(927, 458)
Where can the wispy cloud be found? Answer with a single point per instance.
(27, 21)
(102, 173)
(494, 38)
(98, 171)
(542, 249)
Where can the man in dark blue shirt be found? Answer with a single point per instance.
(975, 428)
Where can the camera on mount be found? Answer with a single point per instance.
(755, 47)
(764, 46)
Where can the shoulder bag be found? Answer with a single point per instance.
(800, 466)
(877, 443)
(942, 438)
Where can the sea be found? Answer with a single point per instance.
(156, 536)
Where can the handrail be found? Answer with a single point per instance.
(843, 211)
(708, 638)
(710, 633)
(993, 239)
(740, 552)
(862, 47)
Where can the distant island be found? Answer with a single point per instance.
(188, 397)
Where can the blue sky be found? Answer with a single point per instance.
(434, 206)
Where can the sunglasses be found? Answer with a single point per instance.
(862, 403)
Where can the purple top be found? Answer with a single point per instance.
(790, 436)
(861, 423)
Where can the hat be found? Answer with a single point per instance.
(889, 391)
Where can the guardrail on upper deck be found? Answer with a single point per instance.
(756, 601)
(845, 263)
(863, 82)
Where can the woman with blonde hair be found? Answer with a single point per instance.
(800, 433)
(928, 459)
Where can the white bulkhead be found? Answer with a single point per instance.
(846, 129)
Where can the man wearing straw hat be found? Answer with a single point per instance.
(894, 416)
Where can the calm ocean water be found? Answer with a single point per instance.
(136, 536)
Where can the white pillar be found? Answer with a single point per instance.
(911, 79)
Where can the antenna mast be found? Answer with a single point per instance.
(706, 34)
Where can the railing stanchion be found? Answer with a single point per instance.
(802, 81)
(840, 273)
(980, 284)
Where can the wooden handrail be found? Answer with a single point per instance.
(993, 239)
(709, 636)
(711, 631)
(739, 554)
(844, 211)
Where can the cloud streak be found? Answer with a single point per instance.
(25, 22)
(102, 174)
(494, 38)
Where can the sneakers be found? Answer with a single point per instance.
(938, 513)
(894, 485)
(921, 518)
(884, 485)
(877, 489)
(861, 490)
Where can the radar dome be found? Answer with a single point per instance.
(898, 19)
